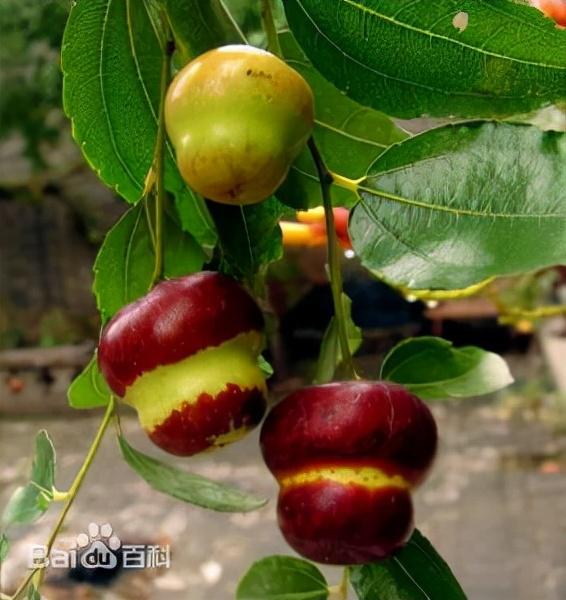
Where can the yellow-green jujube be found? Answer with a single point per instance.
(237, 116)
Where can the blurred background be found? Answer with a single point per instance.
(494, 506)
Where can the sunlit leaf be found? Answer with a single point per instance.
(456, 205)
(433, 369)
(349, 136)
(412, 58)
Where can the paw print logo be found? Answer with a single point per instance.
(98, 547)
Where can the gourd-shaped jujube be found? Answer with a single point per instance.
(346, 456)
(185, 356)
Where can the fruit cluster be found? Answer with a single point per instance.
(346, 455)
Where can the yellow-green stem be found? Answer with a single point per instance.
(344, 584)
(340, 591)
(346, 183)
(59, 496)
(22, 588)
(158, 168)
(71, 495)
(539, 312)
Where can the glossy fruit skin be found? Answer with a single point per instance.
(185, 357)
(237, 116)
(346, 456)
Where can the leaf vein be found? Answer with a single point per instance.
(105, 104)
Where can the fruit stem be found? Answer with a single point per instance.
(344, 584)
(158, 165)
(340, 591)
(71, 495)
(539, 312)
(59, 496)
(268, 24)
(334, 252)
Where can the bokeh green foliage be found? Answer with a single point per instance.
(30, 77)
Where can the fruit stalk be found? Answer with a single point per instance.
(335, 274)
(268, 24)
(344, 583)
(158, 165)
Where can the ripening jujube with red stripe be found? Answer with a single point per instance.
(346, 456)
(185, 356)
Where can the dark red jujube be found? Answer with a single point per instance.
(346, 456)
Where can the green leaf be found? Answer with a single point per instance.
(330, 356)
(462, 203)
(32, 593)
(199, 26)
(28, 503)
(188, 487)
(24, 506)
(407, 58)
(111, 60)
(89, 389)
(249, 236)
(43, 467)
(417, 572)
(123, 270)
(433, 369)
(282, 578)
(349, 136)
(265, 366)
(181, 254)
(4, 546)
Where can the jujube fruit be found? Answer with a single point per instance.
(185, 357)
(346, 456)
(555, 9)
(237, 116)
